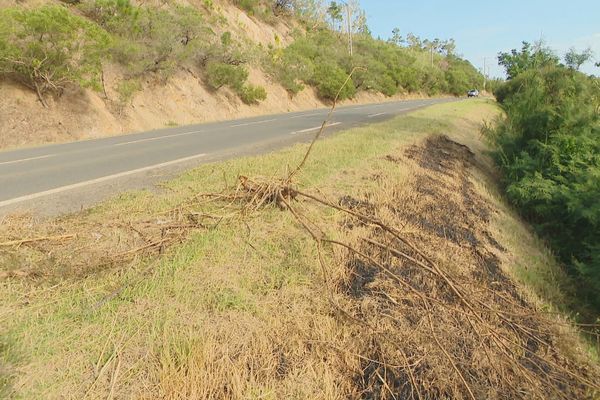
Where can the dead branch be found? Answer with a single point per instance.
(39, 239)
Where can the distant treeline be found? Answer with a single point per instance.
(549, 151)
(49, 47)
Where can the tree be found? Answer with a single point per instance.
(397, 38)
(575, 60)
(312, 11)
(335, 13)
(414, 42)
(360, 25)
(530, 57)
(448, 47)
(49, 47)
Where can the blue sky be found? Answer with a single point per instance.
(483, 28)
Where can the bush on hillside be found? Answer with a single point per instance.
(290, 69)
(219, 74)
(267, 11)
(432, 81)
(374, 77)
(251, 94)
(386, 67)
(49, 47)
(329, 78)
(149, 39)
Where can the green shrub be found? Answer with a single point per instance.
(290, 69)
(227, 51)
(149, 39)
(251, 94)
(433, 81)
(48, 47)
(461, 76)
(329, 78)
(375, 76)
(549, 151)
(219, 74)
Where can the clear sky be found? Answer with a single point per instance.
(483, 28)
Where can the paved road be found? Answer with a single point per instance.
(65, 177)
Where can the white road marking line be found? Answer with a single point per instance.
(254, 123)
(315, 128)
(97, 180)
(27, 159)
(306, 115)
(156, 138)
(375, 115)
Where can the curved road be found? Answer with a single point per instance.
(65, 177)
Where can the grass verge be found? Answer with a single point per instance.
(234, 310)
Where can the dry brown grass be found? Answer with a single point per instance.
(71, 247)
(439, 319)
(383, 280)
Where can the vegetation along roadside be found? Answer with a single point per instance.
(548, 148)
(389, 264)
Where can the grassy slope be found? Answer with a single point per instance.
(213, 312)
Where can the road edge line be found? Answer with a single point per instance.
(95, 181)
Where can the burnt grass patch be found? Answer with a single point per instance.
(436, 316)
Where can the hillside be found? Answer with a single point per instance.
(106, 67)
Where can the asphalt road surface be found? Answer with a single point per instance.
(60, 178)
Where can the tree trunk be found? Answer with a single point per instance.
(39, 95)
(103, 84)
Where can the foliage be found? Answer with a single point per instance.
(308, 11)
(461, 76)
(329, 78)
(149, 39)
(385, 67)
(251, 94)
(155, 40)
(283, 7)
(267, 11)
(575, 60)
(494, 84)
(226, 50)
(219, 74)
(529, 57)
(335, 14)
(549, 151)
(49, 47)
(290, 69)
